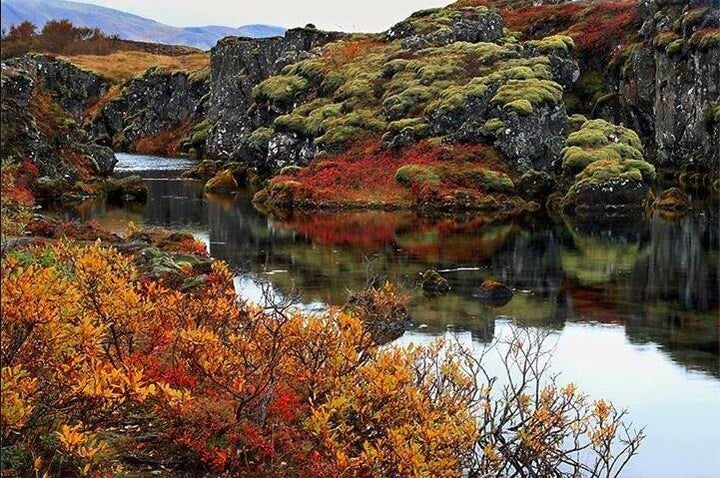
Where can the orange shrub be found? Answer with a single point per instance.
(93, 357)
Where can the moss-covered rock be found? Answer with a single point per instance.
(416, 174)
(433, 283)
(599, 140)
(673, 199)
(610, 189)
(281, 90)
(222, 183)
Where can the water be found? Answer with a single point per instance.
(634, 311)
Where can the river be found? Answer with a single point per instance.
(633, 311)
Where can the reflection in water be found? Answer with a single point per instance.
(654, 284)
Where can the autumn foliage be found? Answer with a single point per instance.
(100, 365)
(595, 27)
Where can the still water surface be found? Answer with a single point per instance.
(634, 311)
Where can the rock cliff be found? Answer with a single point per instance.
(43, 104)
(151, 113)
(668, 88)
(237, 66)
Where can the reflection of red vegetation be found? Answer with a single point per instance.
(446, 240)
(164, 143)
(595, 27)
(593, 303)
(451, 241)
(368, 231)
(366, 172)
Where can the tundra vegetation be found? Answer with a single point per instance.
(106, 370)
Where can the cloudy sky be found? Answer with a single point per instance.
(359, 15)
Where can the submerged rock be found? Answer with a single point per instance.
(673, 199)
(434, 283)
(494, 293)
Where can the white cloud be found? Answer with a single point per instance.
(365, 16)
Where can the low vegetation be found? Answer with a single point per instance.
(105, 358)
(124, 65)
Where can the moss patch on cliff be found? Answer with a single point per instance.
(599, 140)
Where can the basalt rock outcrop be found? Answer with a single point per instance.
(43, 103)
(151, 113)
(668, 87)
(237, 66)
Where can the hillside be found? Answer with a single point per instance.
(126, 25)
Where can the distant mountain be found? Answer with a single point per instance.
(126, 25)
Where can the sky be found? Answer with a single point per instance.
(351, 16)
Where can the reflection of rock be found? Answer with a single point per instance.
(599, 256)
(434, 283)
(494, 293)
(672, 199)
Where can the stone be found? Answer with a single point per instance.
(434, 283)
(673, 199)
(204, 170)
(494, 293)
(128, 188)
(222, 183)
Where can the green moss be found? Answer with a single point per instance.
(312, 69)
(331, 82)
(494, 124)
(259, 139)
(281, 90)
(601, 171)
(416, 173)
(408, 100)
(662, 40)
(675, 47)
(705, 39)
(553, 44)
(485, 179)
(599, 140)
(308, 119)
(436, 19)
(417, 126)
(575, 122)
(517, 94)
(200, 76)
(521, 107)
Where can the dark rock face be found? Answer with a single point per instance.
(155, 102)
(72, 88)
(667, 87)
(43, 101)
(237, 66)
(289, 149)
(614, 198)
(684, 90)
(533, 141)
